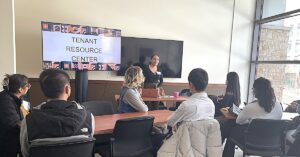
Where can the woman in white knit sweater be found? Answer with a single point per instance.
(264, 107)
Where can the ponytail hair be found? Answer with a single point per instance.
(264, 93)
(5, 83)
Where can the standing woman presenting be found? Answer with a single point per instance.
(15, 87)
(154, 79)
(153, 75)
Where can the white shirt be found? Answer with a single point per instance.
(254, 111)
(196, 107)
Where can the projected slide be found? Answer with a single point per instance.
(77, 47)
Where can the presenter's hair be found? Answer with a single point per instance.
(154, 54)
(53, 81)
(199, 79)
(134, 77)
(264, 93)
(12, 83)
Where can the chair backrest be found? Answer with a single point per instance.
(266, 134)
(82, 148)
(133, 128)
(185, 92)
(99, 108)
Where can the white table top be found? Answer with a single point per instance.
(289, 116)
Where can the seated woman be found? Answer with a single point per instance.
(15, 87)
(265, 107)
(232, 94)
(292, 107)
(130, 97)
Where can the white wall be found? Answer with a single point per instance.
(242, 42)
(7, 51)
(203, 25)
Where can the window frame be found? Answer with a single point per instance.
(258, 21)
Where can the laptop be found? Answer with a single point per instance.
(235, 110)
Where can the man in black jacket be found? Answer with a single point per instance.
(56, 119)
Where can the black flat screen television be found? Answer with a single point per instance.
(136, 51)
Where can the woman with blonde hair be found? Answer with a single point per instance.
(130, 97)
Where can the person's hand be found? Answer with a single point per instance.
(140, 90)
(220, 98)
(227, 114)
(161, 91)
(225, 109)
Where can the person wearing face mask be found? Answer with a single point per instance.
(15, 87)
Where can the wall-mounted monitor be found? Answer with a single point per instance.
(78, 47)
(137, 51)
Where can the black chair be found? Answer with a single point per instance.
(79, 148)
(294, 147)
(185, 92)
(99, 108)
(132, 137)
(263, 137)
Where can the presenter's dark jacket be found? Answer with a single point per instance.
(55, 119)
(10, 115)
(153, 78)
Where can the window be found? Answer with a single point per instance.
(276, 47)
(275, 7)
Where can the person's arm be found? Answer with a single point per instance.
(133, 98)
(161, 80)
(8, 114)
(227, 101)
(24, 139)
(245, 116)
(177, 116)
(93, 124)
(92, 117)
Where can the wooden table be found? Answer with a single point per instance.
(163, 98)
(289, 116)
(105, 124)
